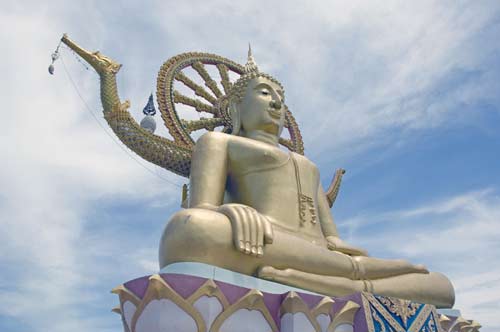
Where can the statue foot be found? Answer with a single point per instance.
(376, 268)
(433, 288)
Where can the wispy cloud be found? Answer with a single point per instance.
(58, 168)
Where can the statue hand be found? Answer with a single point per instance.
(251, 230)
(336, 244)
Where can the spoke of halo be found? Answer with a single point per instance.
(209, 82)
(198, 89)
(196, 104)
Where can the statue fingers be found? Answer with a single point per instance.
(260, 237)
(236, 220)
(330, 243)
(246, 229)
(239, 236)
(268, 230)
(253, 234)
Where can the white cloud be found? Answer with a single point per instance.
(57, 167)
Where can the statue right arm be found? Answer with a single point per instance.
(209, 169)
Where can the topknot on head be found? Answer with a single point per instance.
(251, 65)
(250, 72)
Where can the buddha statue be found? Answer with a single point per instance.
(258, 210)
(253, 208)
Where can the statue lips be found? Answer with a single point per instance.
(275, 113)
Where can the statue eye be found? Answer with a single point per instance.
(265, 92)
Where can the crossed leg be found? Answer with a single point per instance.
(205, 236)
(433, 288)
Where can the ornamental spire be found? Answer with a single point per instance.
(149, 109)
(251, 65)
(148, 122)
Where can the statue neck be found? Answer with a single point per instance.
(261, 136)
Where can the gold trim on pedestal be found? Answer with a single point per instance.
(253, 300)
(293, 304)
(158, 289)
(444, 323)
(323, 307)
(210, 289)
(126, 295)
(344, 315)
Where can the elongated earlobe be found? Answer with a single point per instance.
(282, 123)
(235, 118)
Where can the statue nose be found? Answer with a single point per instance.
(275, 104)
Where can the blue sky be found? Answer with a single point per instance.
(405, 96)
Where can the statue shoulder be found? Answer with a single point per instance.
(213, 138)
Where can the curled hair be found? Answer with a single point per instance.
(239, 87)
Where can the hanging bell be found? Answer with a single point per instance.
(54, 56)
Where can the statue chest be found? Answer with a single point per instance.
(279, 184)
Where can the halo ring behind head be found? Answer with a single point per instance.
(211, 99)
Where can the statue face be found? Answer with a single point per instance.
(262, 107)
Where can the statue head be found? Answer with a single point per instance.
(256, 102)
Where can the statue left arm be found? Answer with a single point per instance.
(330, 229)
(325, 217)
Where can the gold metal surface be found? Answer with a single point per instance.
(333, 189)
(458, 324)
(444, 322)
(126, 295)
(323, 307)
(253, 300)
(293, 304)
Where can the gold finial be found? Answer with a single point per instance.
(251, 66)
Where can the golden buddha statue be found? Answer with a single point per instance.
(254, 208)
(258, 210)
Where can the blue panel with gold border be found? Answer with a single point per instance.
(387, 314)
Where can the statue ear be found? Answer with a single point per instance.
(235, 117)
(282, 123)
